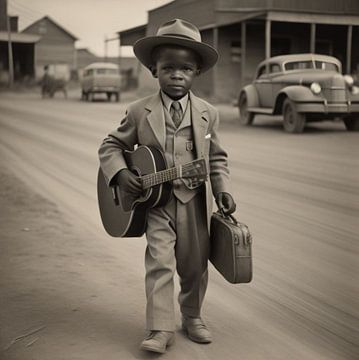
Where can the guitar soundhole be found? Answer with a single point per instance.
(145, 193)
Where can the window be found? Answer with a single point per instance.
(236, 51)
(324, 47)
(299, 65)
(261, 71)
(106, 71)
(323, 65)
(280, 46)
(42, 28)
(274, 68)
(88, 72)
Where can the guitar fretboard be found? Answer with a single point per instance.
(163, 176)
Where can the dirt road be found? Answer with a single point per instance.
(82, 292)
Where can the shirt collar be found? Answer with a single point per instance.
(167, 101)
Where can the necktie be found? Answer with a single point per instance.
(176, 113)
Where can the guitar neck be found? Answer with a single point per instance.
(161, 177)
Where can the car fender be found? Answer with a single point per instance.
(297, 93)
(252, 95)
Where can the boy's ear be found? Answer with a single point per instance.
(153, 70)
(198, 72)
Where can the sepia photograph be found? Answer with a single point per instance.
(179, 179)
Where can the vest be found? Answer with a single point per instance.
(180, 150)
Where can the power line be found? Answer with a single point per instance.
(22, 15)
(23, 12)
(32, 11)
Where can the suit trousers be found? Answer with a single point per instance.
(177, 238)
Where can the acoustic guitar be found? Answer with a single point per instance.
(123, 214)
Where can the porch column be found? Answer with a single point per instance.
(215, 68)
(349, 48)
(243, 51)
(268, 39)
(312, 38)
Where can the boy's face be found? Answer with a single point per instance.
(175, 69)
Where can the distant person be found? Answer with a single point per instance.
(45, 82)
(184, 127)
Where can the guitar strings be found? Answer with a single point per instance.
(159, 177)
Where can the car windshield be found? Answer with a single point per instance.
(309, 64)
(107, 71)
(324, 65)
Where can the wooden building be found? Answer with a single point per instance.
(247, 31)
(23, 49)
(55, 48)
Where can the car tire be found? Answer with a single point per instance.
(293, 121)
(109, 95)
(351, 123)
(245, 117)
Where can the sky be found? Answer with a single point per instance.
(89, 20)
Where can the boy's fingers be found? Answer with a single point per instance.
(135, 183)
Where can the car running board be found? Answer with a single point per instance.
(258, 110)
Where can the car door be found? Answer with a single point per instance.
(275, 71)
(264, 87)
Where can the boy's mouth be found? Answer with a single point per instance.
(174, 86)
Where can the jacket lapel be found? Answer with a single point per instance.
(156, 119)
(199, 123)
(199, 115)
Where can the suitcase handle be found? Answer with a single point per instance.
(231, 217)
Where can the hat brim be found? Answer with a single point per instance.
(143, 49)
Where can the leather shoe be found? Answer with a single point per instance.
(157, 341)
(196, 330)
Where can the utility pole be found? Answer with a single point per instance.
(108, 40)
(10, 55)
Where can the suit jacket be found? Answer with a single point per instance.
(144, 124)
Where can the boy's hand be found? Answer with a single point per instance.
(225, 203)
(129, 182)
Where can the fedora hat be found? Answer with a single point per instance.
(176, 32)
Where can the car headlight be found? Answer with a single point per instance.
(355, 90)
(316, 88)
(349, 80)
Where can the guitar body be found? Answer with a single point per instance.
(122, 214)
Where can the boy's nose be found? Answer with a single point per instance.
(177, 74)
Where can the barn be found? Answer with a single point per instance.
(55, 48)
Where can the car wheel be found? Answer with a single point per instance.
(351, 123)
(109, 95)
(245, 117)
(293, 121)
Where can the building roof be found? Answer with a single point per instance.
(19, 37)
(48, 18)
(129, 36)
(207, 14)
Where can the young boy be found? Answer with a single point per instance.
(184, 127)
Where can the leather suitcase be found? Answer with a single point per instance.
(231, 248)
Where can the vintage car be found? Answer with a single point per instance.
(303, 88)
(101, 78)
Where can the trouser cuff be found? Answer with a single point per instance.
(160, 324)
(190, 311)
